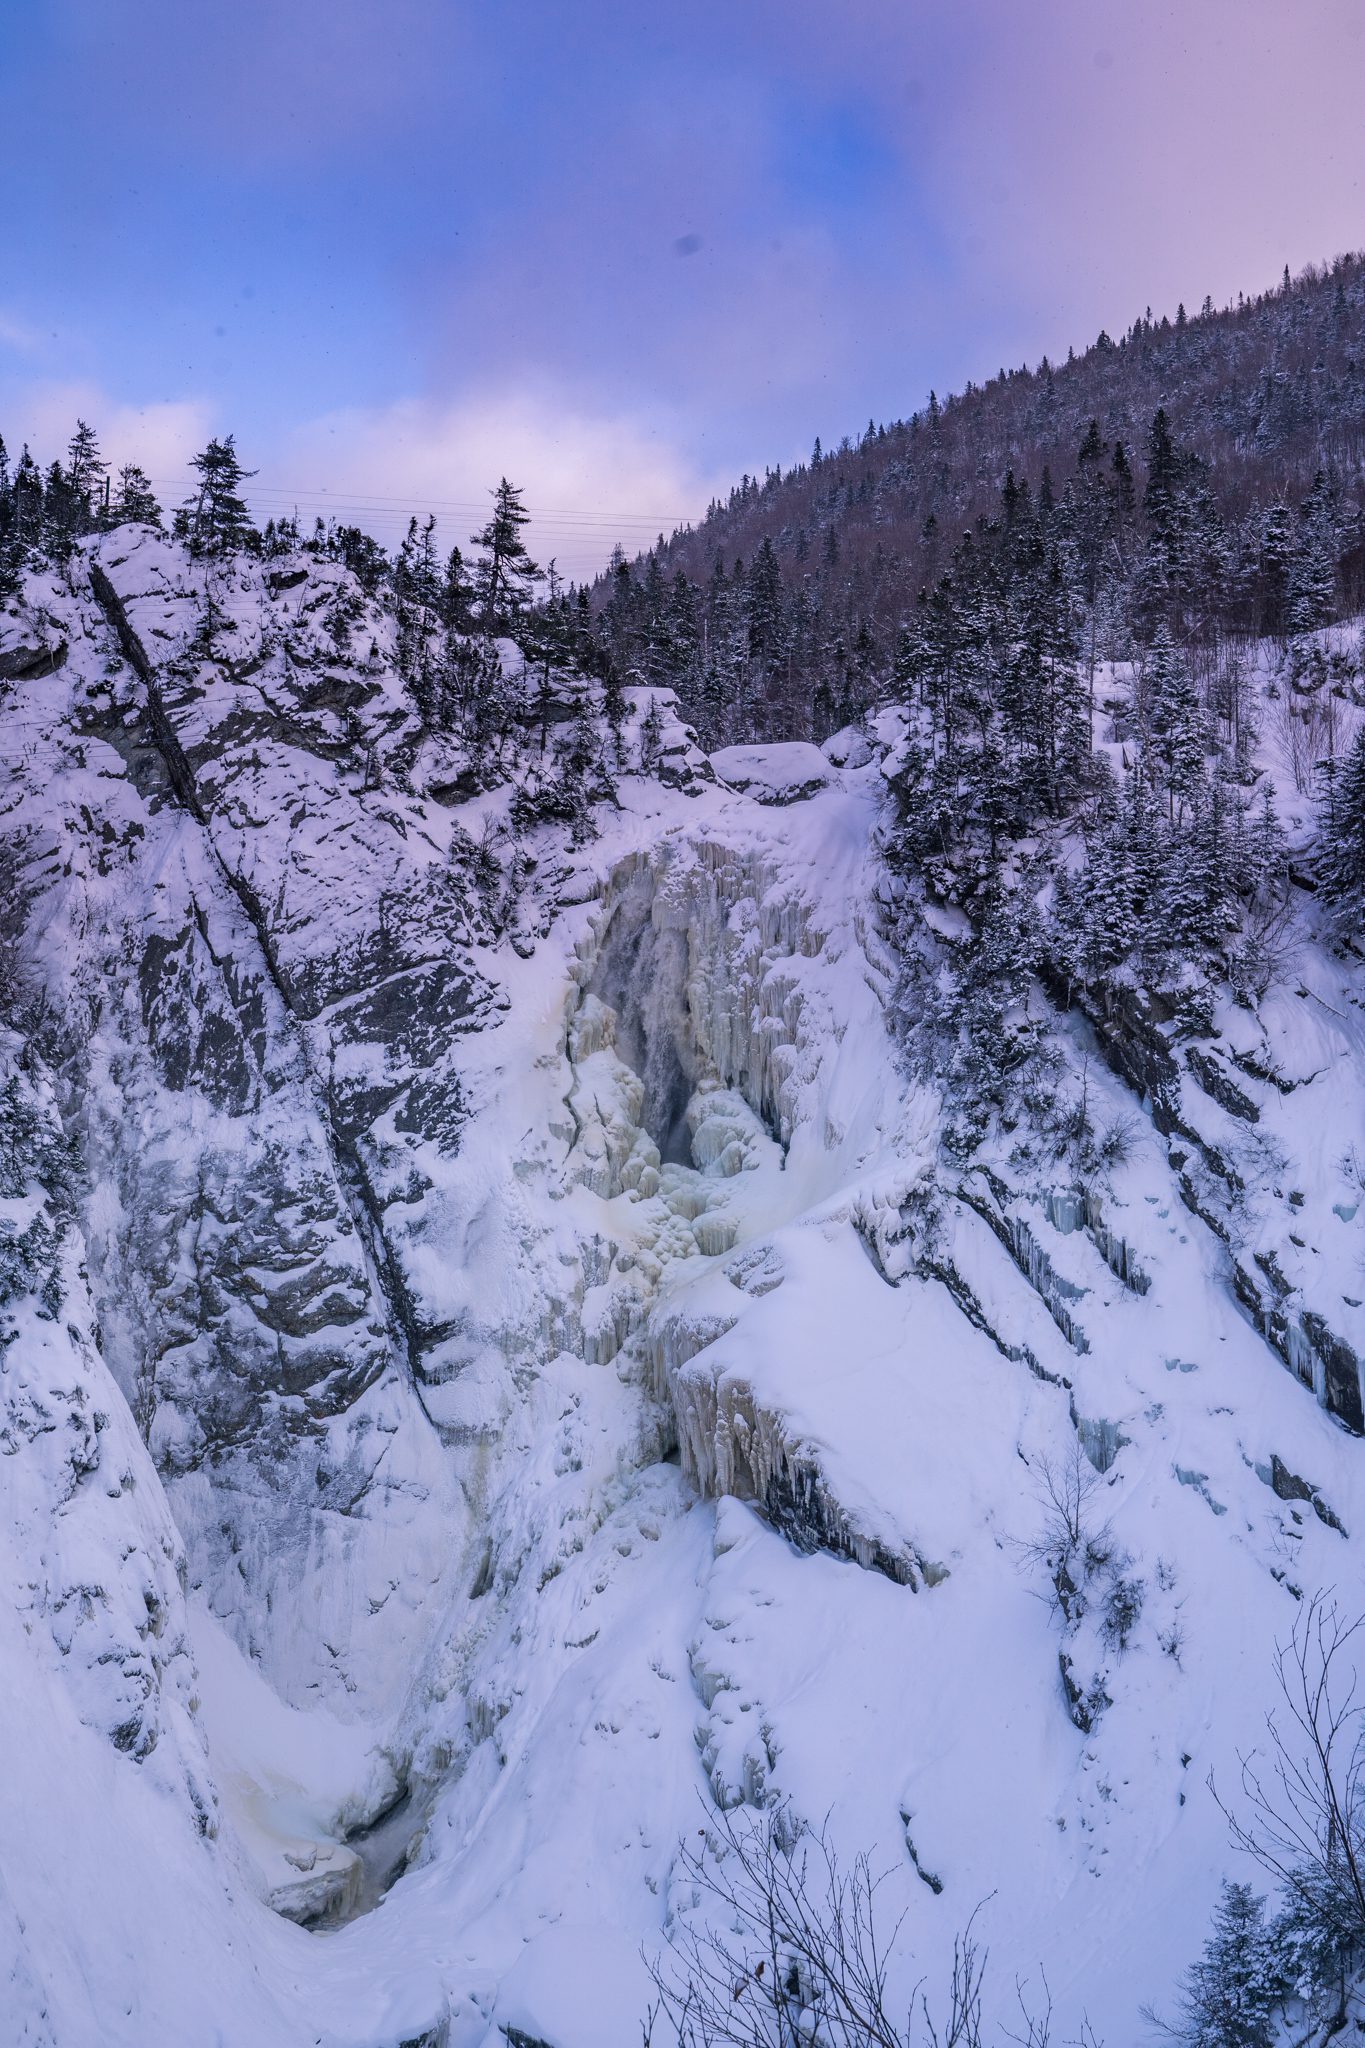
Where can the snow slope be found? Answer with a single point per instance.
(552, 1384)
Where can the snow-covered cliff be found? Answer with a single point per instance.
(495, 1363)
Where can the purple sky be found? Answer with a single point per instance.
(623, 253)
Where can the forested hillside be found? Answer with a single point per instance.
(1089, 603)
(1204, 472)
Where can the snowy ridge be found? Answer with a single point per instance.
(512, 1369)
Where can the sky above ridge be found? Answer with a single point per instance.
(622, 253)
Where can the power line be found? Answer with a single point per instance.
(379, 502)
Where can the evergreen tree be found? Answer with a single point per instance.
(418, 591)
(363, 556)
(651, 738)
(1125, 501)
(1094, 516)
(1274, 566)
(472, 698)
(27, 497)
(1173, 720)
(86, 471)
(505, 576)
(1263, 851)
(1312, 586)
(215, 521)
(1341, 853)
(1231, 1995)
(64, 513)
(974, 1019)
(1163, 478)
(765, 609)
(1094, 921)
(10, 553)
(457, 595)
(135, 499)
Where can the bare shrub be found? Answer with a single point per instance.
(1122, 1610)
(1071, 1547)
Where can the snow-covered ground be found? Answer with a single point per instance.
(578, 1395)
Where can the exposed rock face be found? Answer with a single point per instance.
(1232, 1143)
(264, 969)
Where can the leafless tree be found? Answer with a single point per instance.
(1307, 727)
(1037, 2024)
(1268, 939)
(795, 1946)
(791, 1954)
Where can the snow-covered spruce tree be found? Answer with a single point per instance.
(964, 1011)
(62, 515)
(1191, 909)
(134, 500)
(1311, 595)
(1260, 856)
(1094, 923)
(472, 701)
(73, 500)
(11, 550)
(416, 584)
(86, 469)
(1232, 1995)
(27, 499)
(1271, 559)
(1173, 726)
(1341, 856)
(281, 536)
(457, 595)
(505, 576)
(215, 521)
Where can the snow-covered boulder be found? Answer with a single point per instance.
(784, 772)
(848, 748)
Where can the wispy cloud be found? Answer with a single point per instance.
(161, 437)
(591, 477)
(626, 253)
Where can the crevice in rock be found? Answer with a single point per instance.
(1054, 1291)
(800, 1507)
(641, 975)
(1069, 1209)
(1288, 1486)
